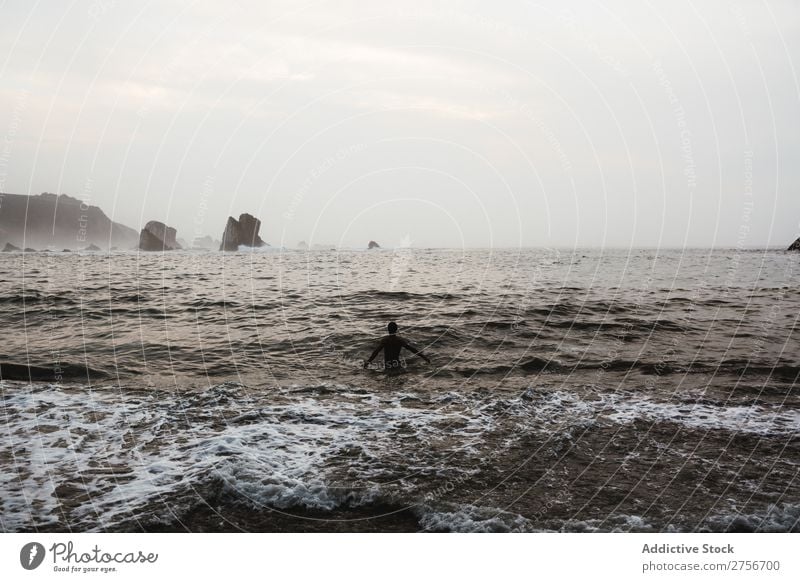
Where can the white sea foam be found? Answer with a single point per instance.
(95, 457)
(126, 452)
(264, 249)
(781, 517)
(612, 523)
(472, 519)
(554, 407)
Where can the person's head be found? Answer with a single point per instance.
(392, 327)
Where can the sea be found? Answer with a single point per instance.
(569, 390)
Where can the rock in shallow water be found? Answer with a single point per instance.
(241, 232)
(157, 236)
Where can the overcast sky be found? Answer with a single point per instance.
(444, 124)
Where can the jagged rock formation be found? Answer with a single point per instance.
(93, 247)
(373, 245)
(795, 246)
(49, 220)
(157, 236)
(28, 250)
(9, 248)
(241, 232)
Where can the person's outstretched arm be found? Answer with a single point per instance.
(375, 353)
(415, 351)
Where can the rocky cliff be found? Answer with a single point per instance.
(48, 220)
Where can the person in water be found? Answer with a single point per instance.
(391, 346)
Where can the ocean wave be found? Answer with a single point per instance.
(222, 441)
(54, 372)
(614, 523)
(625, 408)
(266, 249)
(778, 371)
(374, 294)
(37, 297)
(779, 517)
(471, 519)
(106, 458)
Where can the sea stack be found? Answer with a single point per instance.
(242, 232)
(9, 248)
(157, 236)
(373, 245)
(795, 246)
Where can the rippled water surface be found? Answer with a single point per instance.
(569, 390)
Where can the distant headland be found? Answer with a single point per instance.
(58, 221)
(55, 221)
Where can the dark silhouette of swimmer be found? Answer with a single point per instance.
(391, 346)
